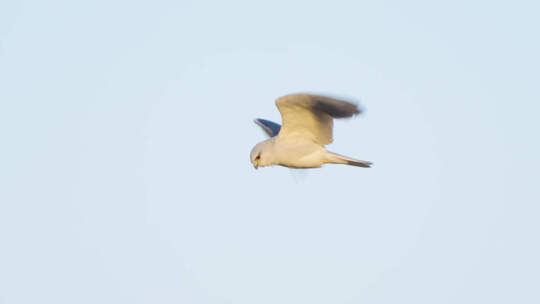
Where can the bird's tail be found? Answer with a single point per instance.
(334, 158)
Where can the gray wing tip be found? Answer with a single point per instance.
(337, 108)
(258, 121)
(271, 128)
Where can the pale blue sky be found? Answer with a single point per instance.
(126, 128)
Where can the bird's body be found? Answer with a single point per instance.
(292, 153)
(307, 127)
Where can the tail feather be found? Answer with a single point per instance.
(334, 158)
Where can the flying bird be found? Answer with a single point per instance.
(307, 127)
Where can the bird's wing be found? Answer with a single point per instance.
(271, 128)
(310, 116)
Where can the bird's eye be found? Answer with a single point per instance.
(258, 157)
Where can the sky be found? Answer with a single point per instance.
(126, 128)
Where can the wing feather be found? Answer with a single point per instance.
(310, 116)
(269, 127)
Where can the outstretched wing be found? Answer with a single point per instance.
(271, 128)
(310, 116)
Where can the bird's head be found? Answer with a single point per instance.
(260, 154)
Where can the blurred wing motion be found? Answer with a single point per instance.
(310, 116)
(271, 128)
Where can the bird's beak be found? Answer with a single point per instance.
(256, 166)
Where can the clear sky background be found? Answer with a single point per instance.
(126, 128)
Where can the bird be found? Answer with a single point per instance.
(307, 127)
